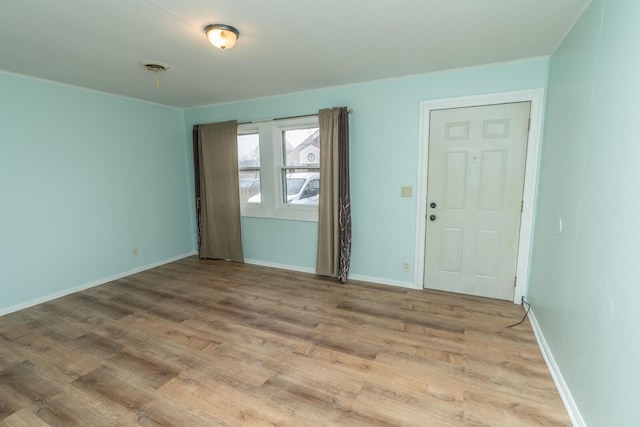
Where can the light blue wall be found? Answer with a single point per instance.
(84, 178)
(584, 286)
(384, 157)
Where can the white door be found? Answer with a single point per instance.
(474, 198)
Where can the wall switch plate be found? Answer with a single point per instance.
(134, 252)
(406, 191)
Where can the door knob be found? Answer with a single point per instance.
(432, 217)
(433, 205)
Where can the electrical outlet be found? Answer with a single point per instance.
(134, 252)
(405, 266)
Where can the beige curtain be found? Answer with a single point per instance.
(334, 223)
(217, 195)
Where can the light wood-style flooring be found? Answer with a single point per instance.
(212, 343)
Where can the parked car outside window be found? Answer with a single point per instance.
(302, 188)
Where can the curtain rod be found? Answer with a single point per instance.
(285, 118)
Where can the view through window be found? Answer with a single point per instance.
(301, 167)
(279, 168)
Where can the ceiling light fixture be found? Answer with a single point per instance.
(222, 36)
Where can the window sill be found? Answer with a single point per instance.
(286, 212)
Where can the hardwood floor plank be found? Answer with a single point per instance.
(299, 380)
(445, 390)
(156, 308)
(12, 401)
(241, 367)
(527, 381)
(176, 333)
(73, 312)
(61, 363)
(398, 341)
(25, 379)
(142, 340)
(22, 418)
(111, 388)
(403, 408)
(171, 414)
(233, 406)
(153, 372)
(284, 329)
(353, 418)
(95, 345)
(492, 408)
(346, 345)
(92, 303)
(213, 343)
(74, 408)
(432, 379)
(297, 398)
(11, 329)
(9, 354)
(273, 311)
(53, 327)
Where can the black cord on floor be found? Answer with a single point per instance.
(525, 314)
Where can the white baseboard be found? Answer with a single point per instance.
(31, 303)
(381, 281)
(280, 266)
(376, 280)
(558, 379)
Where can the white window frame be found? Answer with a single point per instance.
(271, 166)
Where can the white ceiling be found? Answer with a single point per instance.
(284, 45)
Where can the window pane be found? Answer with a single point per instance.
(301, 147)
(249, 167)
(248, 150)
(301, 186)
(250, 186)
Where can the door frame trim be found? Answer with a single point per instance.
(536, 97)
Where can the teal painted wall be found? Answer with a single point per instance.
(84, 178)
(384, 129)
(584, 283)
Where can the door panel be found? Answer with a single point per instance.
(451, 250)
(487, 253)
(455, 182)
(493, 168)
(475, 181)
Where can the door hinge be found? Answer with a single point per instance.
(529, 125)
(522, 206)
(515, 280)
